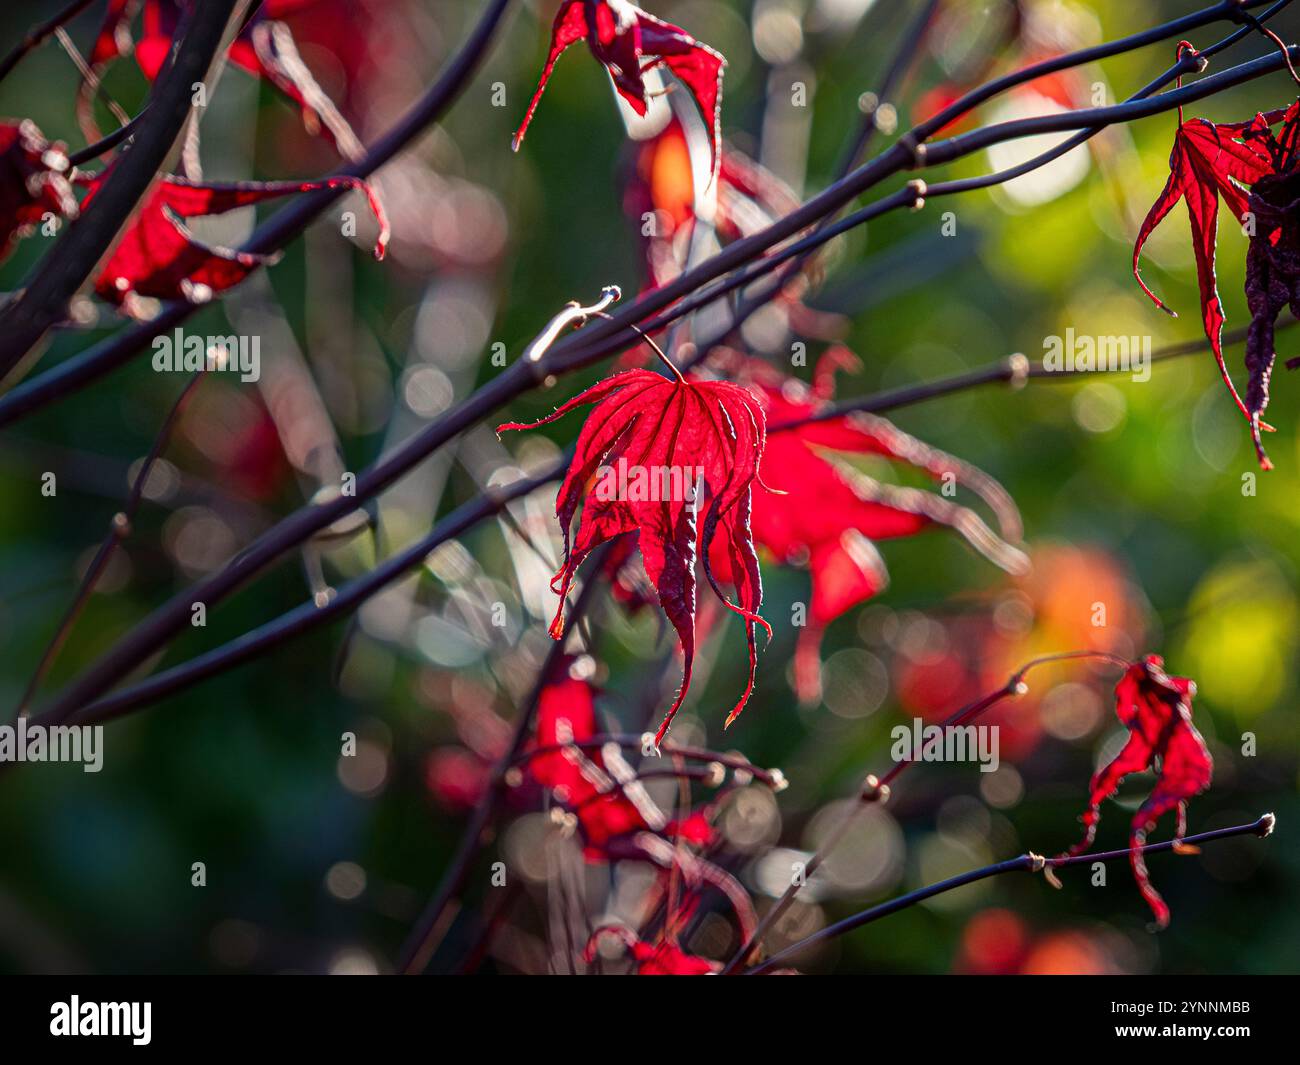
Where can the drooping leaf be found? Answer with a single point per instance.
(1157, 710)
(652, 453)
(1209, 161)
(159, 256)
(628, 42)
(33, 181)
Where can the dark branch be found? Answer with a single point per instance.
(43, 300)
(1024, 863)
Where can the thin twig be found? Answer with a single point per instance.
(877, 789)
(118, 530)
(1028, 862)
(418, 948)
(37, 35)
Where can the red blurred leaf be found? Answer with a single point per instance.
(578, 776)
(597, 784)
(703, 442)
(265, 48)
(33, 181)
(158, 256)
(1157, 710)
(664, 958)
(114, 39)
(622, 37)
(833, 512)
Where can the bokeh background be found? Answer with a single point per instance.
(1131, 495)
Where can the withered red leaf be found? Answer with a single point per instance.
(651, 453)
(628, 42)
(1273, 259)
(1157, 710)
(159, 256)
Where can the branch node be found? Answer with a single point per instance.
(1018, 368)
(914, 148)
(918, 193)
(873, 790)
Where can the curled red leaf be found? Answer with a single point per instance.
(159, 256)
(1273, 258)
(1157, 710)
(628, 42)
(1210, 161)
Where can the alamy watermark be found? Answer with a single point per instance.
(189, 353)
(77, 1018)
(24, 742)
(649, 484)
(1073, 353)
(920, 742)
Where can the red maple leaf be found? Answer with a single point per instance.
(33, 181)
(159, 256)
(628, 42)
(651, 453)
(1210, 160)
(264, 48)
(1157, 710)
(833, 513)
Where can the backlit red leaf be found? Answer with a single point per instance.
(265, 48)
(627, 42)
(1210, 161)
(652, 453)
(159, 256)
